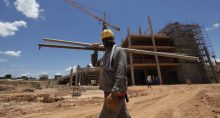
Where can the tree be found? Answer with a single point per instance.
(8, 76)
(32, 78)
(2, 77)
(24, 77)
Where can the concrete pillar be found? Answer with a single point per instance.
(155, 50)
(131, 59)
(71, 77)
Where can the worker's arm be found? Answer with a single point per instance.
(94, 58)
(120, 66)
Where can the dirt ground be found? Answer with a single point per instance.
(165, 101)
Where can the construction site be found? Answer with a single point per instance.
(179, 59)
(186, 88)
(189, 39)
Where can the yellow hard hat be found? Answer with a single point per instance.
(107, 33)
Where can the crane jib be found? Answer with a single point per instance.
(86, 11)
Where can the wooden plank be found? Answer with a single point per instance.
(151, 47)
(157, 36)
(89, 46)
(153, 64)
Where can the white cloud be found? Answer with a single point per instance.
(7, 3)
(9, 28)
(30, 8)
(69, 68)
(214, 26)
(43, 73)
(26, 74)
(11, 53)
(90, 65)
(58, 74)
(3, 60)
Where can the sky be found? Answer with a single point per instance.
(24, 23)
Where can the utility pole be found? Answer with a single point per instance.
(155, 50)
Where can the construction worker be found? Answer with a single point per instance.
(149, 80)
(113, 79)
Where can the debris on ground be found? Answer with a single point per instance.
(166, 101)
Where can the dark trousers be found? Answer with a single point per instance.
(149, 84)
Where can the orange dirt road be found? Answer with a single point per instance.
(166, 101)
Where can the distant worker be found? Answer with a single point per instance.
(113, 78)
(149, 80)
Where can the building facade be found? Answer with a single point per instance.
(174, 38)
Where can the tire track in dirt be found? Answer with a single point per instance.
(167, 105)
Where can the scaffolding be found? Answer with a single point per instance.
(192, 39)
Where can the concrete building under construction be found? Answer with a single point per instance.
(84, 76)
(175, 38)
(189, 39)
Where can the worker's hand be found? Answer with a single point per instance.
(96, 45)
(112, 102)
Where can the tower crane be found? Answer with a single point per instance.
(82, 9)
